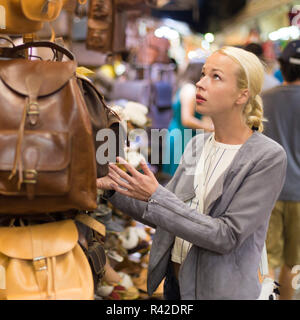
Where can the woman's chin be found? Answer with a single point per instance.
(201, 109)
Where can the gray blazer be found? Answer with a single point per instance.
(227, 242)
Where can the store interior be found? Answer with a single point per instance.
(148, 46)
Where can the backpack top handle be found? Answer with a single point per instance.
(16, 51)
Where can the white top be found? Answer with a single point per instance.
(214, 160)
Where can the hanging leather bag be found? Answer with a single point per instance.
(102, 117)
(27, 16)
(47, 159)
(100, 25)
(47, 263)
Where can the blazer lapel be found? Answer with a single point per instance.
(240, 160)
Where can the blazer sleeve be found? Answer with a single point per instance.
(132, 207)
(135, 208)
(250, 207)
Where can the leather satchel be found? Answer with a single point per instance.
(47, 159)
(47, 263)
(27, 16)
(102, 117)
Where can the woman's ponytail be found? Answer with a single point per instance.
(254, 113)
(251, 77)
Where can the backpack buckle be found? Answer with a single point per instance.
(33, 108)
(33, 112)
(30, 176)
(39, 263)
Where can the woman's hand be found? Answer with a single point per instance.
(139, 186)
(105, 182)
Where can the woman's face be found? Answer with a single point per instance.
(217, 90)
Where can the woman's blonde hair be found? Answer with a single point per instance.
(251, 77)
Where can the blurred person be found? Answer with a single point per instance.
(282, 110)
(185, 116)
(213, 214)
(270, 80)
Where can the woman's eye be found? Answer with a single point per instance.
(202, 75)
(216, 76)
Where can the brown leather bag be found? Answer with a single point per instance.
(100, 25)
(102, 117)
(47, 158)
(106, 26)
(47, 263)
(27, 16)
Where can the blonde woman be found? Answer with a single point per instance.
(212, 217)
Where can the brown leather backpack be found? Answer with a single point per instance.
(101, 117)
(47, 158)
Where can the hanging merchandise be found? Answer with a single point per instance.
(47, 161)
(91, 241)
(102, 117)
(153, 49)
(100, 25)
(132, 90)
(27, 16)
(106, 26)
(36, 268)
(163, 91)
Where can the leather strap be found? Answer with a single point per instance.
(18, 156)
(33, 85)
(44, 44)
(91, 223)
(16, 52)
(39, 263)
(31, 157)
(8, 39)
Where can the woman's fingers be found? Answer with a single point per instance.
(145, 168)
(112, 172)
(120, 182)
(128, 167)
(99, 183)
(104, 183)
(121, 173)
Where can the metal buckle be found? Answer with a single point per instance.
(35, 111)
(42, 267)
(30, 176)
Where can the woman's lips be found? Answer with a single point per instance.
(199, 98)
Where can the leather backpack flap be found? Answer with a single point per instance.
(44, 154)
(47, 264)
(41, 10)
(15, 20)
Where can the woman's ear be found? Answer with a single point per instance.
(243, 97)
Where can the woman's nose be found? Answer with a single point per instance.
(201, 83)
